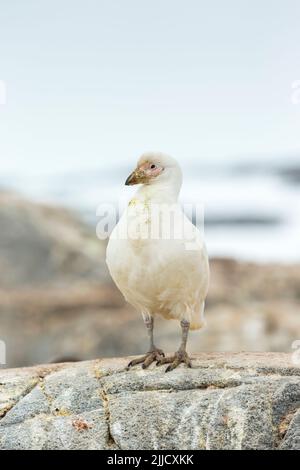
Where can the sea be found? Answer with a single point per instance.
(251, 210)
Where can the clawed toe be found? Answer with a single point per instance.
(147, 359)
(134, 362)
(174, 361)
(163, 360)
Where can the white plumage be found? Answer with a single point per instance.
(155, 255)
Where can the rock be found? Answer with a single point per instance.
(53, 283)
(226, 401)
(290, 173)
(42, 244)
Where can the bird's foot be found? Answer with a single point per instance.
(174, 361)
(151, 356)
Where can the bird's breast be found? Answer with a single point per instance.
(150, 270)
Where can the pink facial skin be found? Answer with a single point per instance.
(150, 172)
(145, 172)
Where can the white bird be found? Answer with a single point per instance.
(157, 257)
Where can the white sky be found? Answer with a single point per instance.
(96, 80)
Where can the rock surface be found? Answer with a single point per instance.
(226, 401)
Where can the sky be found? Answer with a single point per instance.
(98, 82)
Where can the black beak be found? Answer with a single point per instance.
(130, 180)
(136, 177)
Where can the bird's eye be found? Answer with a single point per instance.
(152, 166)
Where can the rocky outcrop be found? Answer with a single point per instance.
(54, 283)
(226, 401)
(42, 244)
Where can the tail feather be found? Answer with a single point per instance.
(197, 320)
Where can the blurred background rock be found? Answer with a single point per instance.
(57, 301)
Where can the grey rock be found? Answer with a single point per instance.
(42, 244)
(30, 406)
(291, 439)
(87, 431)
(226, 401)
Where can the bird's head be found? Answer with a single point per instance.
(155, 167)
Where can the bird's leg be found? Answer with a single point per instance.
(149, 323)
(180, 355)
(154, 354)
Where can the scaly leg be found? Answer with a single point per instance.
(154, 353)
(180, 355)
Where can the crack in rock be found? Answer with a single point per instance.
(111, 441)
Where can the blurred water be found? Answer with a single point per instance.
(251, 212)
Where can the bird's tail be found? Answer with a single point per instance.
(197, 319)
